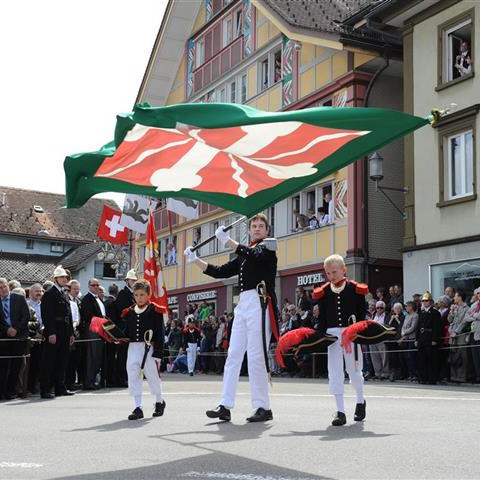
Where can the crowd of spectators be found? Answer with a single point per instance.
(21, 338)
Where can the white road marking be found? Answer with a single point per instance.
(19, 465)
(239, 476)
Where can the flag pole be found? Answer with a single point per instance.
(213, 237)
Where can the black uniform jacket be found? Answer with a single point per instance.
(88, 309)
(136, 324)
(55, 308)
(429, 327)
(252, 265)
(124, 300)
(191, 336)
(19, 316)
(336, 309)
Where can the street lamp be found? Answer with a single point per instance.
(375, 163)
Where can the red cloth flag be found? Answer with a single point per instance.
(110, 229)
(152, 269)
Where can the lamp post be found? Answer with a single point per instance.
(375, 163)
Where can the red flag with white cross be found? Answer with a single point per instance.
(110, 228)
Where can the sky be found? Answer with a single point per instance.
(68, 68)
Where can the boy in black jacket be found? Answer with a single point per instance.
(141, 319)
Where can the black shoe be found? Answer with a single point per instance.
(191, 374)
(360, 411)
(261, 415)
(65, 393)
(159, 409)
(137, 414)
(47, 395)
(220, 412)
(10, 396)
(339, 420)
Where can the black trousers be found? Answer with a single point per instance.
(54, 361)
(428, 364)
(73, 374)
(35, 362)
(116, 364)
(10, 367)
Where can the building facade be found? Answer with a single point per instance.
(276, 57)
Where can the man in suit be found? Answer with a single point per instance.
(14, 317)
(58, 332)
(92, 306)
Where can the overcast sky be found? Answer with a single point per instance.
(68, 67)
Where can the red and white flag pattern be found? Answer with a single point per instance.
(235, 160)
(110, 228)
(152, 268)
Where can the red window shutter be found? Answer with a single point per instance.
(216, 38)
(207, 74)
(197, 82)
(208, 45)
(225, 56)
(215, 68)
(236, 53)
(216, 6)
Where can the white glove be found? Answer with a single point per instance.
(191, 256)
(222, 235)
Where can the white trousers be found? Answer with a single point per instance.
(336, 355)
(134, 362)
(191, 356)
(247, 337)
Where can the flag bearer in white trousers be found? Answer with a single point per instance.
(252, 325)
(341, 302)
(139, 319)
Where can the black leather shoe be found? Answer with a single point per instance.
(159, 409)
(137, 414)
(261, 415)
(220, 412)
(47, 395)
(339, 420)
(65, 393)
(360, 411)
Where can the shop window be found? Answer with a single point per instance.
(455, 49)
(457, 161)
(463, 275)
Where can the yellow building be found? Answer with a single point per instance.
(274, 58)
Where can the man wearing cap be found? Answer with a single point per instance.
(58, 332)
(125, 299)
(428, 340)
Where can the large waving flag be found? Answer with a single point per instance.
(152, 270)
(232, 156)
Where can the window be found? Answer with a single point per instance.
(462, 275)
(233, 92)
(56, 247)
(455, 49)
(244, 88)
(459, 164)
(457, 157)
(109, 271)
(30, 244)
(264, 74)
(270, 69)
(238, 23)
(227, 32)
(215, 246)
(199, 52)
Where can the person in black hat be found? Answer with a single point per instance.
(342, 301)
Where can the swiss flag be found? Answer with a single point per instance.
(110, 229)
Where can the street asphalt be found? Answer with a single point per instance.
(411, 432)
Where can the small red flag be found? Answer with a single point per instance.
(152, 268)
(110, 229)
